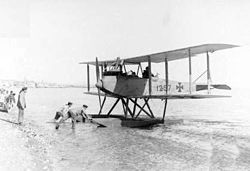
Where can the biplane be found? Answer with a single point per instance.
(141, 85)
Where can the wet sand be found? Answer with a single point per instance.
(22, 148)
(184, 145)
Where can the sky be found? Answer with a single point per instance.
(44, 40)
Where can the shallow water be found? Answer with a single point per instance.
(207, 134)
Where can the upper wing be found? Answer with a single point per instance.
(170, 55)
(179, 53)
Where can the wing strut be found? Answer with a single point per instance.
(190, 71)
(97, 80)
(165, 109)
(208, 75)
(150, 75)
(166, 74)
(88, 77)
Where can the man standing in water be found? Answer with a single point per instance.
(76, 114)
(21, 104)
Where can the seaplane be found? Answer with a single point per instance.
(134, 89)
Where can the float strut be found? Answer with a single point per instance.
(164, 111)
(142, 108)
(152, 115)
(113, 106)
(135, 103)
(125, 103)
(100, 111)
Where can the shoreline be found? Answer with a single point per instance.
(22, 147)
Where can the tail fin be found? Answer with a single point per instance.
(216, 86)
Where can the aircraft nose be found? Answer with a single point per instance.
(99, 84)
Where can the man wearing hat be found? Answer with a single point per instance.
(63, 111)
(76, 114)
(21, 104)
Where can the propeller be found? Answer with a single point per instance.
(98, 80)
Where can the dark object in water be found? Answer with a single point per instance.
(139, 123)
(57, 126)
(97, 123)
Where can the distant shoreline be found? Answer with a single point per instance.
(55, 87)
(35, 84)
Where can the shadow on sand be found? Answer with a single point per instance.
(9, 121)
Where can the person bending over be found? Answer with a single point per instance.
(62, 111)
(76, 114)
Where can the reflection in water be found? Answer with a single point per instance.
(211, 134)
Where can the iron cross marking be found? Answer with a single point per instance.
(179, 87)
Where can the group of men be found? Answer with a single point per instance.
(64, 113)
(77, 114)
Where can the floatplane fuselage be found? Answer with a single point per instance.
(134, 86)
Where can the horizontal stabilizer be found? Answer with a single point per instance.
(216, 86)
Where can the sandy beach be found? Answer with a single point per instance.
(20, 147)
